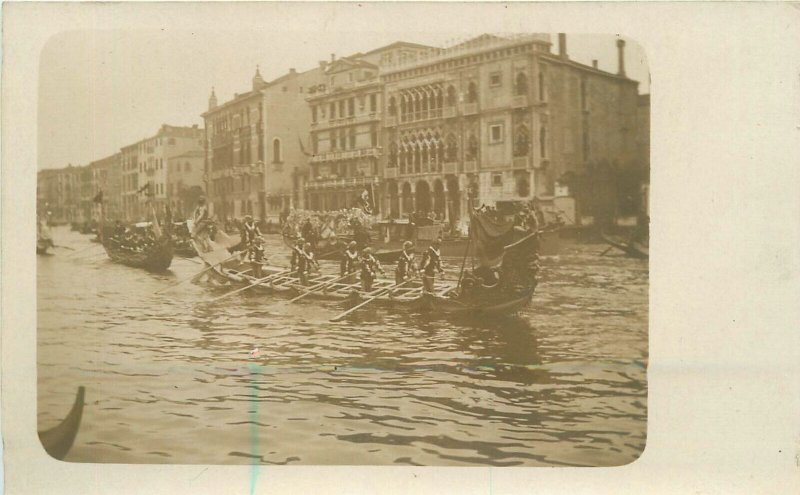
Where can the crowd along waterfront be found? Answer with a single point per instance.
(176, 377)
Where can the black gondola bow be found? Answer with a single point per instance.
(490, 237)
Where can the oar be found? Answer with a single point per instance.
(197, 274)
(188, 258)
(259, 281)
(369, 300)
(607, 250)
(63, 247)
(318, 287)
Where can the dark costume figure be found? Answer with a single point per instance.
(256, 255)
(349, 262)
(405, 264)
(297, 253)
(369, 270)
(305, 263)
(250, 231)
(431, 263)
(309, 233)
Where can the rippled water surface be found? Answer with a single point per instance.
(169, 377)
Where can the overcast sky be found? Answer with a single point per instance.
(101, 90)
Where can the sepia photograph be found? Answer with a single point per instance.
(395, 249)
(399, 248)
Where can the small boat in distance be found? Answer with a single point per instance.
(44, 239)
(632, 248)
(58, 440)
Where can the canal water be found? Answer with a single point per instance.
(170, 377)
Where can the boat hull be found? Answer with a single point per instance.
(156, 259)
(58, 441)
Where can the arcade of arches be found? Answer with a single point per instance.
(446, 198)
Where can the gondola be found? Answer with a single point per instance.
(154, 258)
(58, 440)
(43, 244)
(512, 292)
(632, 248)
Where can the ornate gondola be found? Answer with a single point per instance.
(155, 258)
(325, 251)
(515, 264)
(58, 440)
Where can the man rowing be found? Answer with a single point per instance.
(250, 231)
(431, 263)
(297, 253)
(255, 253)
(369, 269)
(405, 264)
(349, 259)
(200, 223)
(305, 262)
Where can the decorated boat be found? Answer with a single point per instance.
(503, 283)
(148, 246)
(58, 440)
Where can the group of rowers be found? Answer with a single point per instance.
(354, 259)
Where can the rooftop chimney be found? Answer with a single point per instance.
(212, 100)
(621, 57)
(333, 57)
(292, 71)
(562, 45)
(594, 63)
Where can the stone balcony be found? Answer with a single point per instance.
(345, 155)
(340, 182)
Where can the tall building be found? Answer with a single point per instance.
(497, 120)
(185, 182)
(107, 177)
(255, 155)
(152, 155)
(131, 206)
(347, 127)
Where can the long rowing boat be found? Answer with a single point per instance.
(155, 258)
(511, 293)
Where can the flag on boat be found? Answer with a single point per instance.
(490, 237)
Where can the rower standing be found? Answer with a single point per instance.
(256, 255)
(200, 223)
(405, 264)
(349, 259)
(305, 262)
(369, 269)
(250, 231)
(431, 263)
(297, 253)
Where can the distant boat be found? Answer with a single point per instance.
(44, 239)
(58, 440)
(634, 249)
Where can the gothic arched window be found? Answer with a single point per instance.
(277, 156)
(472, 147)
(472, 93)
(392, 107)
(521, 87)
(451, 96)
(522, 143)
(452, 148)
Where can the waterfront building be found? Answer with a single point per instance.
(497, 120)
(255, 155)
(129, 190)
(152, 155)
(347, 128)
(106, 176)
(58, 194)
(185, 182)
